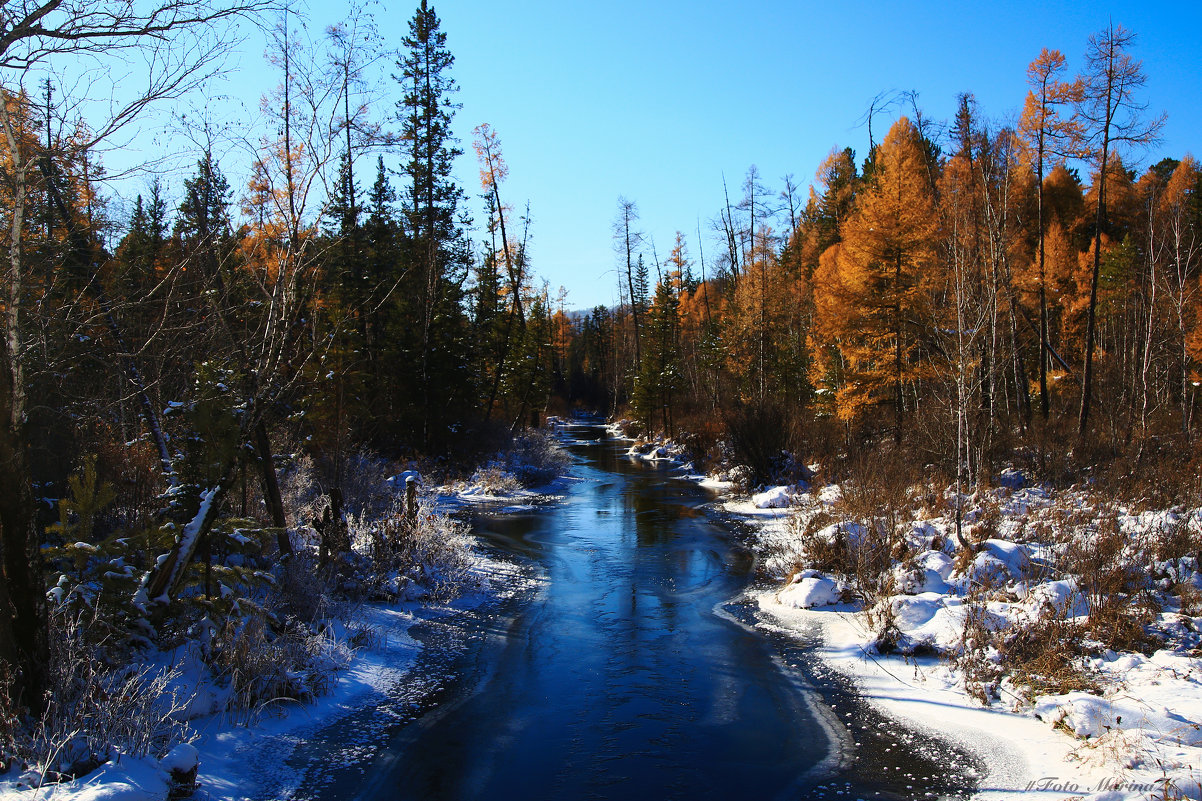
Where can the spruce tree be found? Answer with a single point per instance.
(436, 244)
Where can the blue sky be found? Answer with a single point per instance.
(657, 101)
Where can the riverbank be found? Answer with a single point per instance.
(931, 651)
(357, 672)
(1136, 733)
(252, 754)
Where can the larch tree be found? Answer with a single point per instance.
(1050, 137)
(1112, 116)
(627, 241)
(885, 265)
(494, 170)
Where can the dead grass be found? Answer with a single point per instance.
(97, 710)
(1044, 656)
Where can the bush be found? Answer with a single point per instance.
(494, 479)
(297, 662)
(756, 438)
(1111, 568)
(535, 458)
(96, 711)
(1043, 655)
(393, 557)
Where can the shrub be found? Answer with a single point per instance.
(494, 479)
(1043, 655)
(757, 434)
(1110, 565)
(535, 458)
(97, 710)
(432, 552)
(262, 665)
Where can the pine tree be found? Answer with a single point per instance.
(203, 224)
(385, 269)
(659, 377)
(437, 245)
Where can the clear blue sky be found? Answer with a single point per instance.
(656, 101)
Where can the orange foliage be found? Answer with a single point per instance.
(872, 294)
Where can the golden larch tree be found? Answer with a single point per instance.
(886, 267)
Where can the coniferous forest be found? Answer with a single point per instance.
(186, 384)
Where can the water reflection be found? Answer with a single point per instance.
(620, 680)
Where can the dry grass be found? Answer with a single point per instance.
(264, 664)
(1111, 569)
(1043, 656)
(97, 710)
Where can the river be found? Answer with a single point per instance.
(633, 668)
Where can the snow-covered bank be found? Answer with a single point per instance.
(1022, 756)
(534, 471)
(246, 754)
(239, 763)
(248, 693)
(1135, 734)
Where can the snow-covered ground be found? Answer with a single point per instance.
(369, 654)
(1137, 736)
(245, 754)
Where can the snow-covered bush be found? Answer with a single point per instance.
(263, 664)
(493, 479)
(306, 486)
(436, 554)
(393, 556)
(535, 458)
(301, 492)
(302, 591)
(365, 490)
(97, 710)
(741, 476)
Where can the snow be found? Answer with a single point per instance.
(1018, 751)
(240, 762)
(123, 779)
(811, 589)
(182, 759)
(245, 754)
(505, 500)
(402, 479)
(1143, 727)
(773, 498)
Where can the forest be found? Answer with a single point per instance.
(963, 294)
(185, 387)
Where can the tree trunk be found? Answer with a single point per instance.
(1091, 318)
(165, 577)
(271, 488)
(23, 636)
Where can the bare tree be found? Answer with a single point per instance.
(1112, 117)
(627, 241)
(175, 45)
(288, 200)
